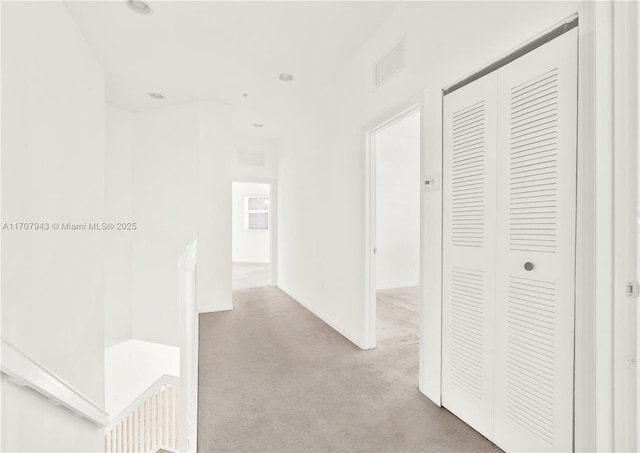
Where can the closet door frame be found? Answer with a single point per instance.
(591, 270)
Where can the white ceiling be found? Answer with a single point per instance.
(208, 50)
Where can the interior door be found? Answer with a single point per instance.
(535, 271)
(469, 252)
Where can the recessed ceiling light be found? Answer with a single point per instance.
(258, 125)
(156, 96)
(139, 6)
(286, 77)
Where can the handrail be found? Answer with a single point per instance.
(26, 371)
(165, 379)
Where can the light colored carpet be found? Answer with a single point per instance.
(249, 275)
(398, 315)
(275, 378)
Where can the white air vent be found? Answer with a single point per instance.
(250, 159)
(390, 64)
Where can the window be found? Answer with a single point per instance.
(256, 213)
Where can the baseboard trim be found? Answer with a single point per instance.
(250, 262)
(398, 285)
(326, 319)
(224, 307)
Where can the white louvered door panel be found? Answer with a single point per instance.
(468, 252)
(536, 212)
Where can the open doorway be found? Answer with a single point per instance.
(394, 219)
(397, 238)
(251, 235)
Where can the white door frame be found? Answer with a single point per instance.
(626, 88)
(400, 112)
(597, 280)
(593, 270)
(273, 224)
(606, 403)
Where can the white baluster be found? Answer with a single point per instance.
(136, 438)
(175, 418)
(128, 438)
(148, 425)
(171, 417)
(119, 448)
(139, 430)
(154, 421)
(166, 416)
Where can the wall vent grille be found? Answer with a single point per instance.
(250, 159)
(390, 64)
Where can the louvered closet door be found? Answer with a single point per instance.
(469, 252)
(536, 212)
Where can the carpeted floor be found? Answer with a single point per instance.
(398, 317)
(275, 378)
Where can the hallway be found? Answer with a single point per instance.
(275, 378)
(250, 275)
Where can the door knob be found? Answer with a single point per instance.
(528, 266)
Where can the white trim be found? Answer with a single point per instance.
(398, 285)
(370, 320)
(585, 431)
(405, 109)
(431, 252)
(327, 319)
(603, 220)
(163, 449)
(625, 71)
(221, 307)
(273, 226)
(634, 147)
(523, 48)
(593, 428)
(26, 372)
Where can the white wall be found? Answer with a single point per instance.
(248, 246)
(119, 205)
(214, 208)
(181, 189)
(52, 171)
(243, 143)
(165, 147)
(321, 157)
(131, 367)
(398, 204)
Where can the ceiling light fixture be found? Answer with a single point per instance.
(156, 96)
(258, 125)
(286, 77)
(139, 6)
